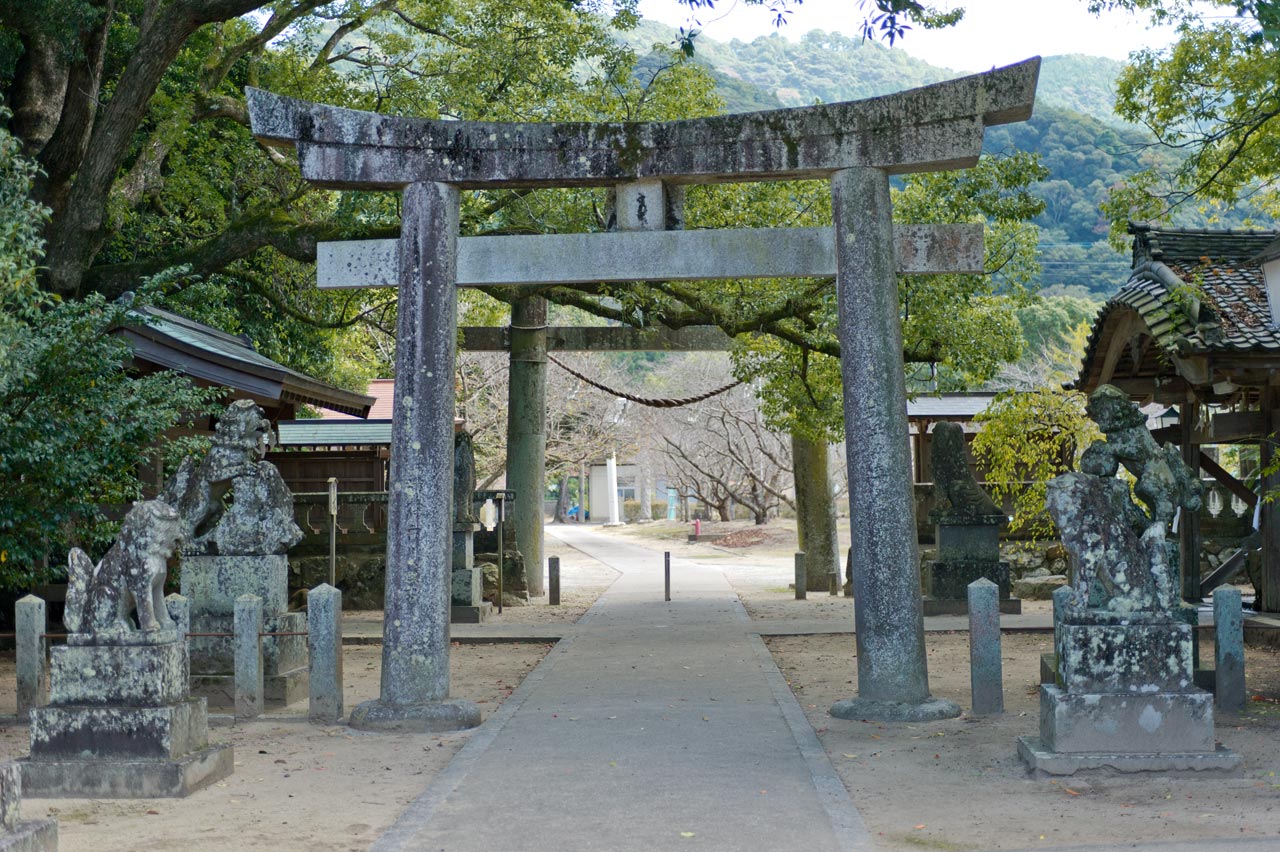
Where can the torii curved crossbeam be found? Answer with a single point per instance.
(931, 128)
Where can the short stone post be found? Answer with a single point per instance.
(30, 625)
(833, 584)
(324, 652)
(985, 668)
(250, 699)
(801, 577)
(1228, 649)
(553, 580)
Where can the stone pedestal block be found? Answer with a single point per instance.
(167, 731)
(1132, 658)
(126, 779)
(212, 583)
(1114, 723)
(977, 540)
(464, 545)
(128, 675)
(468, 587)
(121, 723)
(946, 585)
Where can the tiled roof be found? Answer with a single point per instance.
(1235, 315)
(179, 343)
(1169, 266)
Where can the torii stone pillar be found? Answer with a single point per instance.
(527, 431)
(893, 680)
(414, 693)
(857, 145)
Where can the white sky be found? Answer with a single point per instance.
(993, 32)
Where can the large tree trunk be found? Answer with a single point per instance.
(815, 509)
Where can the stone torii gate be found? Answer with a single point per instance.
(856, 145)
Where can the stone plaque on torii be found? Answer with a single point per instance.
(856, 145)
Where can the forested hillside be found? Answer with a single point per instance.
(1086, 148)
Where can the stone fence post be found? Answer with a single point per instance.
(248, 656)
(324, 653)
(30, 625)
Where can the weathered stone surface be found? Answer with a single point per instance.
(126, 676)
(324, 652)
(463, 546)
(513, 584)
(986, 671)
(428, 717)
(30, 625)
(361, 574)
(212, 583)
(130, 578)
(935, 127)
(250, 699)
(1124, 679)
(10, 796)
(468, 587)
(126, 779)
(259, 516)
(1114, 723)
(464, 478)
(625, 256)
(415, 650)
(1037, 588)
(1134, 658)
(167, 731)
(1228, 649)
(179, 609)
(969, 542)
(889, 623)
(951, 579)
(1042, 760)
(960, 499)
(17, 835)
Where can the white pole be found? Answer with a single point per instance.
(611, 472)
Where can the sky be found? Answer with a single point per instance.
(993, 32)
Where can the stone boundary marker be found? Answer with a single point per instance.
(30, 625)
(250, 700)
(1228, 650)
(324, 651)
(986, 672)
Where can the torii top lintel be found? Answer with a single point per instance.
(931, 128)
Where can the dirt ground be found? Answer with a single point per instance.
(959, 785)
(299, 786)
(296, 786)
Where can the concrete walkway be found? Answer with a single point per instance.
(651, 726)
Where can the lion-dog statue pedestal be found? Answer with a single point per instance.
(121, 722)
(1125, 697)
(238, 522)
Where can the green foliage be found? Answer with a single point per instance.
(1211, 96)
(75, 427)
(1027, 438)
